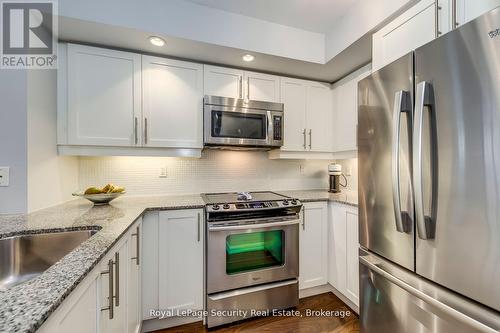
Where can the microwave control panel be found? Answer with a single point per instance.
(277, 123)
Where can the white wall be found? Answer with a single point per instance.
(350, 166)
(13, 139)
(217, 171)
(191, 21)
(363, 17)
(51, 178)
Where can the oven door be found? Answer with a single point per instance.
(252, 253)
(236, 126)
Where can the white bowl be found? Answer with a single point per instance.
(100, 198)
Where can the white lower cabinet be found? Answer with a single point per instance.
(173, 261)
(313, 250)
(134, 317)
(87, 308)
(343, 262)
(180, 260)
(79, 312)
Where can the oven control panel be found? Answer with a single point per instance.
(253, 205)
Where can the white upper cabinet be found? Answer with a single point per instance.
(103, 96)
(262, 87)
(235, 83)
(172, 103)
(308, 115)
(222, 81)
(313, 252)
(345, 111)
(294, 96)
(319, 117)
(412, 29)
(423, 22)
(468, 10)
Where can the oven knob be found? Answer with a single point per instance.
(215, 207)
(226, 206)
(285, 202)
(294, 202)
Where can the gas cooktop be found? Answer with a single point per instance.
(247, 201)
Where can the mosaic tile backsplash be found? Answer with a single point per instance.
(216, 171)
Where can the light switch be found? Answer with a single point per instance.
(4, 176)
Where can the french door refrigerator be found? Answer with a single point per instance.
(429, 186)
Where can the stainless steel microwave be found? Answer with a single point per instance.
(230, 122)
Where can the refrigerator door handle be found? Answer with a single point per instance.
(476, 325)
(402, 103)
(424, 98)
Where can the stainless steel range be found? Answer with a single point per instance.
(252, 259)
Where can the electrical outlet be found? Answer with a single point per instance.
(4, 176)
(163, 172)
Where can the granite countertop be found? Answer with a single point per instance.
(24, 308)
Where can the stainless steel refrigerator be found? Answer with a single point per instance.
(429, 186)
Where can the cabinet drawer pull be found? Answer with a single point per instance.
(310, 138)
(145, 130)
(240, 88)
(137, 246)
(304, 134)
(117, 278)
(110, 306)
(136, 135)
(199, 227)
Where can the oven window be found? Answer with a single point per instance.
(239, 125)
(255, 250)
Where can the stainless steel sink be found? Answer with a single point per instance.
(27, 256)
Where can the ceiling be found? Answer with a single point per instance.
(352, 58)
(312, 15)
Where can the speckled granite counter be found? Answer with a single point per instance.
(345, 197)
(25, 307)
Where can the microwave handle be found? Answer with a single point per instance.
(270, 130)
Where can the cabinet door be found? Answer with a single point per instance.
(78, 312)
(149, 264)
(345, 114)
(293, 96)
(337, 253)
(262, 87)
(172, 103)
(121, 260)
(134, 278)
(412, 29)
(181, 260)
(352, 285)
(319, 117)
(222, 81)
(313, 246)
(468, 10)
(104, 96)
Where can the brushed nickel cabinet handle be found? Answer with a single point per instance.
(110, 306)
(454, 14)
(304, 134)
(146, 130)
(240, 88)
(137, 246)
(136, 136)
(304, 220)
(310, 138)
(437, 8)
(248, 88)
(199, 227)
(117, 278)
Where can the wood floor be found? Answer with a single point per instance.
(322, 324)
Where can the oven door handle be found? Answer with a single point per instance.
(253, 226)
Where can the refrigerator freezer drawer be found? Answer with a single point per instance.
(393, 299)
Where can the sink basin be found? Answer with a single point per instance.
(24, 257)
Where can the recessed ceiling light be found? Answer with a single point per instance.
(248, 57)
(156, 41)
